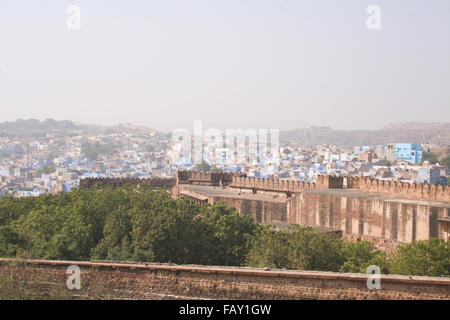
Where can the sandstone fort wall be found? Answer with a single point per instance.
(401, 190)
(165, 183)
(387, 213)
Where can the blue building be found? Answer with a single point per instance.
(68, 187)
(410, 152)
(428, 175)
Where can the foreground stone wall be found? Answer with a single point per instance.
(102, 280)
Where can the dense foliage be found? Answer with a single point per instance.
(95, 149)
(423, 258)
(446, 161)
(303, 248)
(141, 224)
(46, 169)
(430, 157)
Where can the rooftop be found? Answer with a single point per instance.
(225, 192)
(203, 192)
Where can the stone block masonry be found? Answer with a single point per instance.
(122, 280)
(164, 183)
(385, 213)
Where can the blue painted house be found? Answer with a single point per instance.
(410, 152)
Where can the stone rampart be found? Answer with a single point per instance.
(165, 183)
(403, 190)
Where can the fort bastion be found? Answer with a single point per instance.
(384, 212)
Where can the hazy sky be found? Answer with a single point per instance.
(230, 63)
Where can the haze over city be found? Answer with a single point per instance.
(262, 64)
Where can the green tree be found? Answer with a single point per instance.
(116, 241)
(149, 148)
(228, 233)
(429, 156)
(162, 228)
(312, 250)
(204, 166)
(445, 161)
(92, 151)
(296, 248)
(422, 258)
(12, 208)
(270, 249)
(359, 255)
(11, 242)
(46, 169)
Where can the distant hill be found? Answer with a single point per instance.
(34, 128)
(411, 132)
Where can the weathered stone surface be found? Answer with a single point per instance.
(118, 182)
(386, 213)
(104, 280)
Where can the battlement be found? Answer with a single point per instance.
(235, 180)
(329, 182)
(401, 190)
(165, 183)
(271, 184)
(364, 184)
(282, 185)
(205, 178)
(404, 190)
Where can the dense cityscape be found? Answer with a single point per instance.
(55, 158)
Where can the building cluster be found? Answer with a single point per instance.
(401, 162)
(54, 163)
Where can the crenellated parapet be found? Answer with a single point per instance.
(364, 184)
(329, 182)
(204, 178)
(405, 190)
(353, 182)
(165, 183)
(241, 181)
(280, 185)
